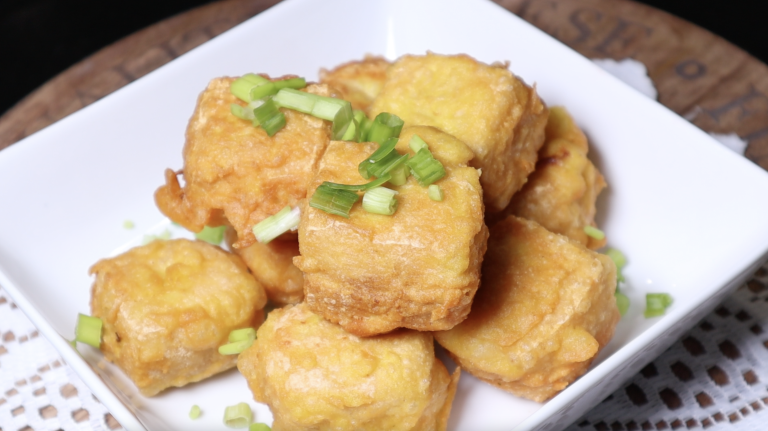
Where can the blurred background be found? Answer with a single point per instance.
(41, 38)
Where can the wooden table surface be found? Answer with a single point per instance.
(712, 83)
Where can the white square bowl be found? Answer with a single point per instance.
(691, 216)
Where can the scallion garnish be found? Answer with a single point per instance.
(620, 260)
(399, 174)
(358, 187)
(254, 78)
(622, 302)
(384, 150)
(385, 126)
(242, 334)
(342, 121)
(264, 90)
(594, 232)
(259, 427)
(212, 235)
(425, 167)
(435, 192)
(416, 143)
(88, 330)
(194, 412)
(380, 200)
(270, 118)
(352, 133)
(239, 340)
(656, 304)
(276, 225)
(295, 83)
(241, 112)
(238, 416)
(333, 201)
(327, 108)
(128, 224)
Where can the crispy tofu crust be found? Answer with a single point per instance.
(316, 376)
(167, 306)
(545, 309)
(234, 172)
(272, 265)
(358, 82)
(495, 113)
(418, 268)
(561, 193)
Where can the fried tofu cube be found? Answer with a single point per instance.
(167, 306)
(234, 172)
(272, 266)
(545, 309)
(418, 268)
(358, 82)
(561, 193)
(487, 107)
(316, 376)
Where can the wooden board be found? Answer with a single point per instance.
(702, 77)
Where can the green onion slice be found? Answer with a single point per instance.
(238, 416)
(241, 112)
(390, 162)
(383, 150)
(254, 78)
(235, 348)
(128, 224)
(270, 118)
(88, 330)
(358, 187)
(343, 119)
(294, 83)
(212, 235)
(380, 200)
(594, 232)
(622, 302)
(399, 174)
(656, 304)
(620, 260)
(435, 192)
(259, 427)
(385, 126)
(277, 224)
(416, 143)
(333, 200)
(352, 133)
(261, 91)
(242, 334)
(194, 412)
(322, 107)
(425, 167)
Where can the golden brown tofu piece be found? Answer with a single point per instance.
(487, 107)
(272, 265)
(545, 309)
(561, 193)
(418, 268)
(167, 306)
(234, 171)
(359, 82)
(316, 376)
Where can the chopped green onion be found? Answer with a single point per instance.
(399, 174)
(128, 224)
(385, 126)
(242, 334)
(88, 330)
(383, 150)
(276, 225)
(380, 200)
(435, 192)
(270, 118)
(213, 235)
(194, 412)
(264, 90)
(241, 88)
(343, 119)
(392, 161)
(620, 260)
(416, 143)
(259, 427)
(594, 232)
(238, 416)
(333, 201)
(358, 187)
(254, 78)
(352, 133)
(235, 348)
(425, 167)
(241, 112)
(656, 304)
(295, 83)
(322, 107)
(622, 302)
